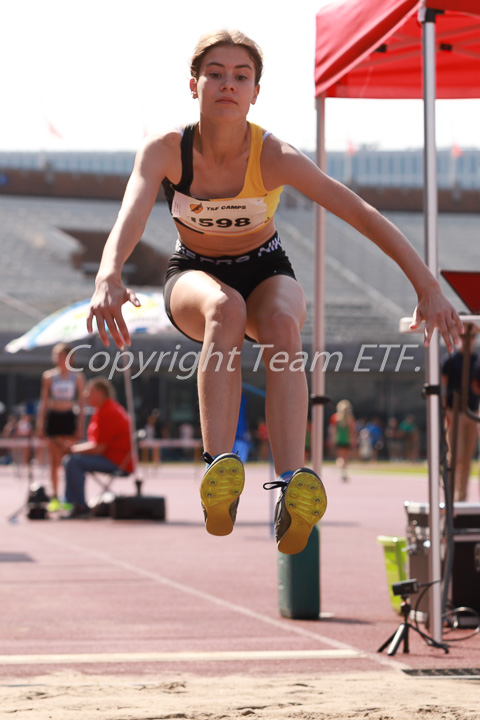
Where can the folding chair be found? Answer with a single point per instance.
(100, 503)
(125, 507)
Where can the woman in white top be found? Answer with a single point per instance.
(61, 411)
(224, 233)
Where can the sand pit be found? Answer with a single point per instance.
(376, 696)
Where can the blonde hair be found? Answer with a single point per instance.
(344, 412)
(231, 38)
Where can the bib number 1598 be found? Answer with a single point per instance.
(220, 222)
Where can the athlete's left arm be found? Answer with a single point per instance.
(284, 165)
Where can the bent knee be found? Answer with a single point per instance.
(226, 313)
(281, 328)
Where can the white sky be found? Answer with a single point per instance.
(105, 71)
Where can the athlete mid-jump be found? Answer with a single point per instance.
(230, 278)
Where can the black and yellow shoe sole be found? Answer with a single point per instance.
(305, 501)
(221, 486)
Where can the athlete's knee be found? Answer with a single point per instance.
(280, 328)
(226, 315)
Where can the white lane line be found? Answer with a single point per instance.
(170, 657)
(287, 626)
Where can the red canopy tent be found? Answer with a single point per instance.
(396, 49)
(373, 49)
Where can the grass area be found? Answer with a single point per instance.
(380, 467)
(387, 467)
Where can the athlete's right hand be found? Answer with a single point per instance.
(106, 308)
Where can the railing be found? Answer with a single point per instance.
(157, 445)
(150, 450)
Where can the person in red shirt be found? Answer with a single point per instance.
(107, 448)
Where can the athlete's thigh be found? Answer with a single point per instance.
(193, 295)
(278, 293)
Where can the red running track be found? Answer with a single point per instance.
(122, 597)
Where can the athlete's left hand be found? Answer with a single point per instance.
(437, 312)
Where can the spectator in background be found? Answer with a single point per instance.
(61, 412)
(23, 431)
(263, 444)
(343, 435)
(9, 430)
(365, 445)
(150, 432)
(186, 432)
(393, 438)
(411, 438)
(108, 447)
(375, 431)
(466, 430)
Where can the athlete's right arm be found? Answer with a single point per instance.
(159, 157)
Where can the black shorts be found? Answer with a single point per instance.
(60, 423)
(241, 272)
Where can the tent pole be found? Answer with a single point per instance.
(433, 352)
(318, 377)
(127, 376)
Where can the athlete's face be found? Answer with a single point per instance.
(226, 82)
(60, 358)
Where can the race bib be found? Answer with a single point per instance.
(220, 217)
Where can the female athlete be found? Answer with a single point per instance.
(230, 278)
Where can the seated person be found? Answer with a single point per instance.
(108, 445)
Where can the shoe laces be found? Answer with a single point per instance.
(206, 457)
(275, 484)
(281, 482)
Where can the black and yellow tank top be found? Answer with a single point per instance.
(248, 211)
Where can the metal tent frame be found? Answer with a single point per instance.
(339, 67)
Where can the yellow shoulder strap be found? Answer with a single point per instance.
(254, 186)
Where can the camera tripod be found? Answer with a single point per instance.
(401, 633)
